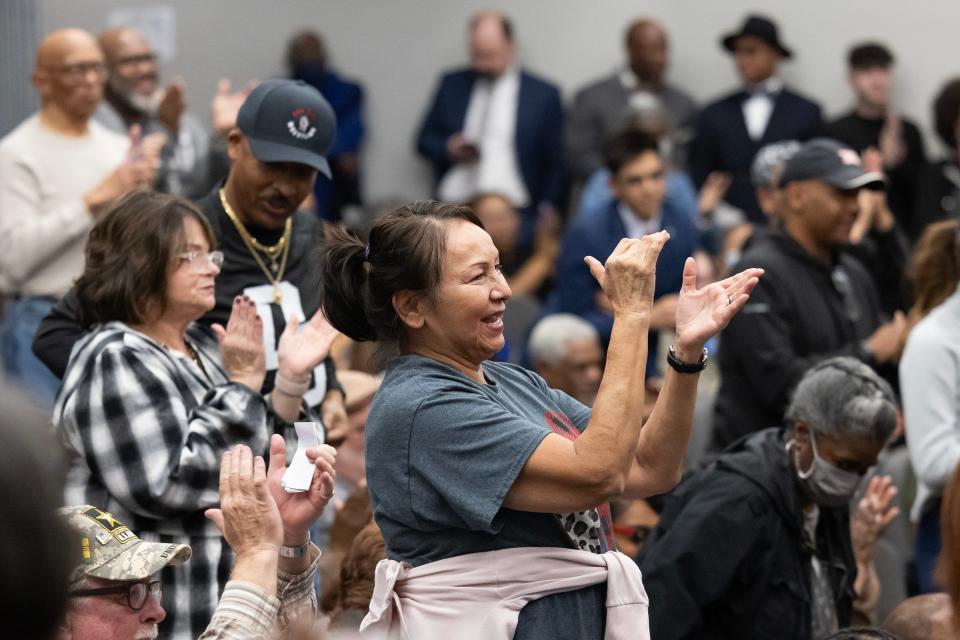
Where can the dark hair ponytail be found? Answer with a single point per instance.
(404, 252)
(344, 276)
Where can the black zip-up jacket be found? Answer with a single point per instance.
(799, 314)
(728, 559)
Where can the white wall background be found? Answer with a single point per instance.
(397, 47)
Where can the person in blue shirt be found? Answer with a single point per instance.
(307, 61)
(638, 207)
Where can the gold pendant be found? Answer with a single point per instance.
(277, 296)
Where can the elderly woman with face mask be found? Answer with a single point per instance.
(759, 544)
(151, 399)
(490, 488)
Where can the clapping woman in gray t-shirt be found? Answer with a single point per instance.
(465, 455)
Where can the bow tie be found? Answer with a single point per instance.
(761, 92)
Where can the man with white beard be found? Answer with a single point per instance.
(133, 95)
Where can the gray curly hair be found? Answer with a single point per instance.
(844, 397)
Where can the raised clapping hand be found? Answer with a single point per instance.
(241, 344)
(703, 313)
(628, 278)
(873, 513)
(298, 511)
(298, 352)
(248, 516)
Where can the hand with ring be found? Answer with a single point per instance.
(298, 511)
(703, 313)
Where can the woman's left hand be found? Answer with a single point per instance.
(873, 513)
(298, 352)
(298, 511)
(703, 313)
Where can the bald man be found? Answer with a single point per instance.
(495, 128)
(604, 108)
(926, 617)
(59, 171)
(133, 95)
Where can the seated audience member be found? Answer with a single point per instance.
(814, 302)
(477, 470)
(758, 545)
(59, 170)
(271, 585)
(930, 385)
(355, 587)
(150, 401)
(680, 191)
(732, 130)
(925, 617)
(636, 209)
(765, 172)
(495, 127)
(938, 196)
(601, 109)
(874, 123)
(133, 96)
(115, 588)
(565, 350)
(269, 245)
(35, 552)
(307, 60)
(526, 277)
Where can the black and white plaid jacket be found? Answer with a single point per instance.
(145, 428)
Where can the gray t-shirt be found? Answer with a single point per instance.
(443, 450)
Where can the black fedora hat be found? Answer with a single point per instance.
(758, 27)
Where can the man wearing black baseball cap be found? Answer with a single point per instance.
(763, 111)
(815, 302)
(278, 147)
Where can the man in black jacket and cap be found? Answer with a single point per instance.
(758, 546)
(814, 301)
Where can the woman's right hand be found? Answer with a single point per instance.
(629, 276)
(241, 344)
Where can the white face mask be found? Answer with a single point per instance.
(827, 484)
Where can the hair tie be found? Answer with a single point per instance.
(366, 251)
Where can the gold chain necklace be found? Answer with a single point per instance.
(276, 276)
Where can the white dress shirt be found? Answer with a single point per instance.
(636, 226)
(759, 106)
(490, 124)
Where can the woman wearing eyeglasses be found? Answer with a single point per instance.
(151, 399)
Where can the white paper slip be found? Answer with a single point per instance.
(299, 474)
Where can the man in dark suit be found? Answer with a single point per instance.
(495, 128)
(732, 130)
(637, 208)
(604, 108)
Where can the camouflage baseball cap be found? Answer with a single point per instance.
(110, 550)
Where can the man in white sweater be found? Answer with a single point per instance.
(58, 172)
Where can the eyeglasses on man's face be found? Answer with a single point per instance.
(78, 72)
(136, 592)
(198, 260)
